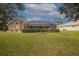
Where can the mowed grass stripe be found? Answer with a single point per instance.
(63, 43)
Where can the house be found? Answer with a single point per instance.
(73, 25)
(19, 24)
(16, 25)
(40, 25)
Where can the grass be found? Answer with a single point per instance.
(24, 44)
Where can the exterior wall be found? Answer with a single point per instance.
(16, 26)
(69, 27)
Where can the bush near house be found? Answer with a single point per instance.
(41, 30)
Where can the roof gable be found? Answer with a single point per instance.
(12, 21)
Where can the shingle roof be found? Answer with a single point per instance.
(10, 22)
(72, 23)
(38, 23)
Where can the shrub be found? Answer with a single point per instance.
(40, 30)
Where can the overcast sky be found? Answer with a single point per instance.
(41, 11)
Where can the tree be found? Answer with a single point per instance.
(7, 13)
(71, 10)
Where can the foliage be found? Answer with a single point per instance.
(40, 30)
(71, 10)
(7, 13)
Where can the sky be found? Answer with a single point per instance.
(41, 11)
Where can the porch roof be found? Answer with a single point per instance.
(72, 23)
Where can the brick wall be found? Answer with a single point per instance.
(16, 26)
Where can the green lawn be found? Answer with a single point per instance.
(62, 43)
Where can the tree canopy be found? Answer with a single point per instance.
(8, 12)
(71, 10)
